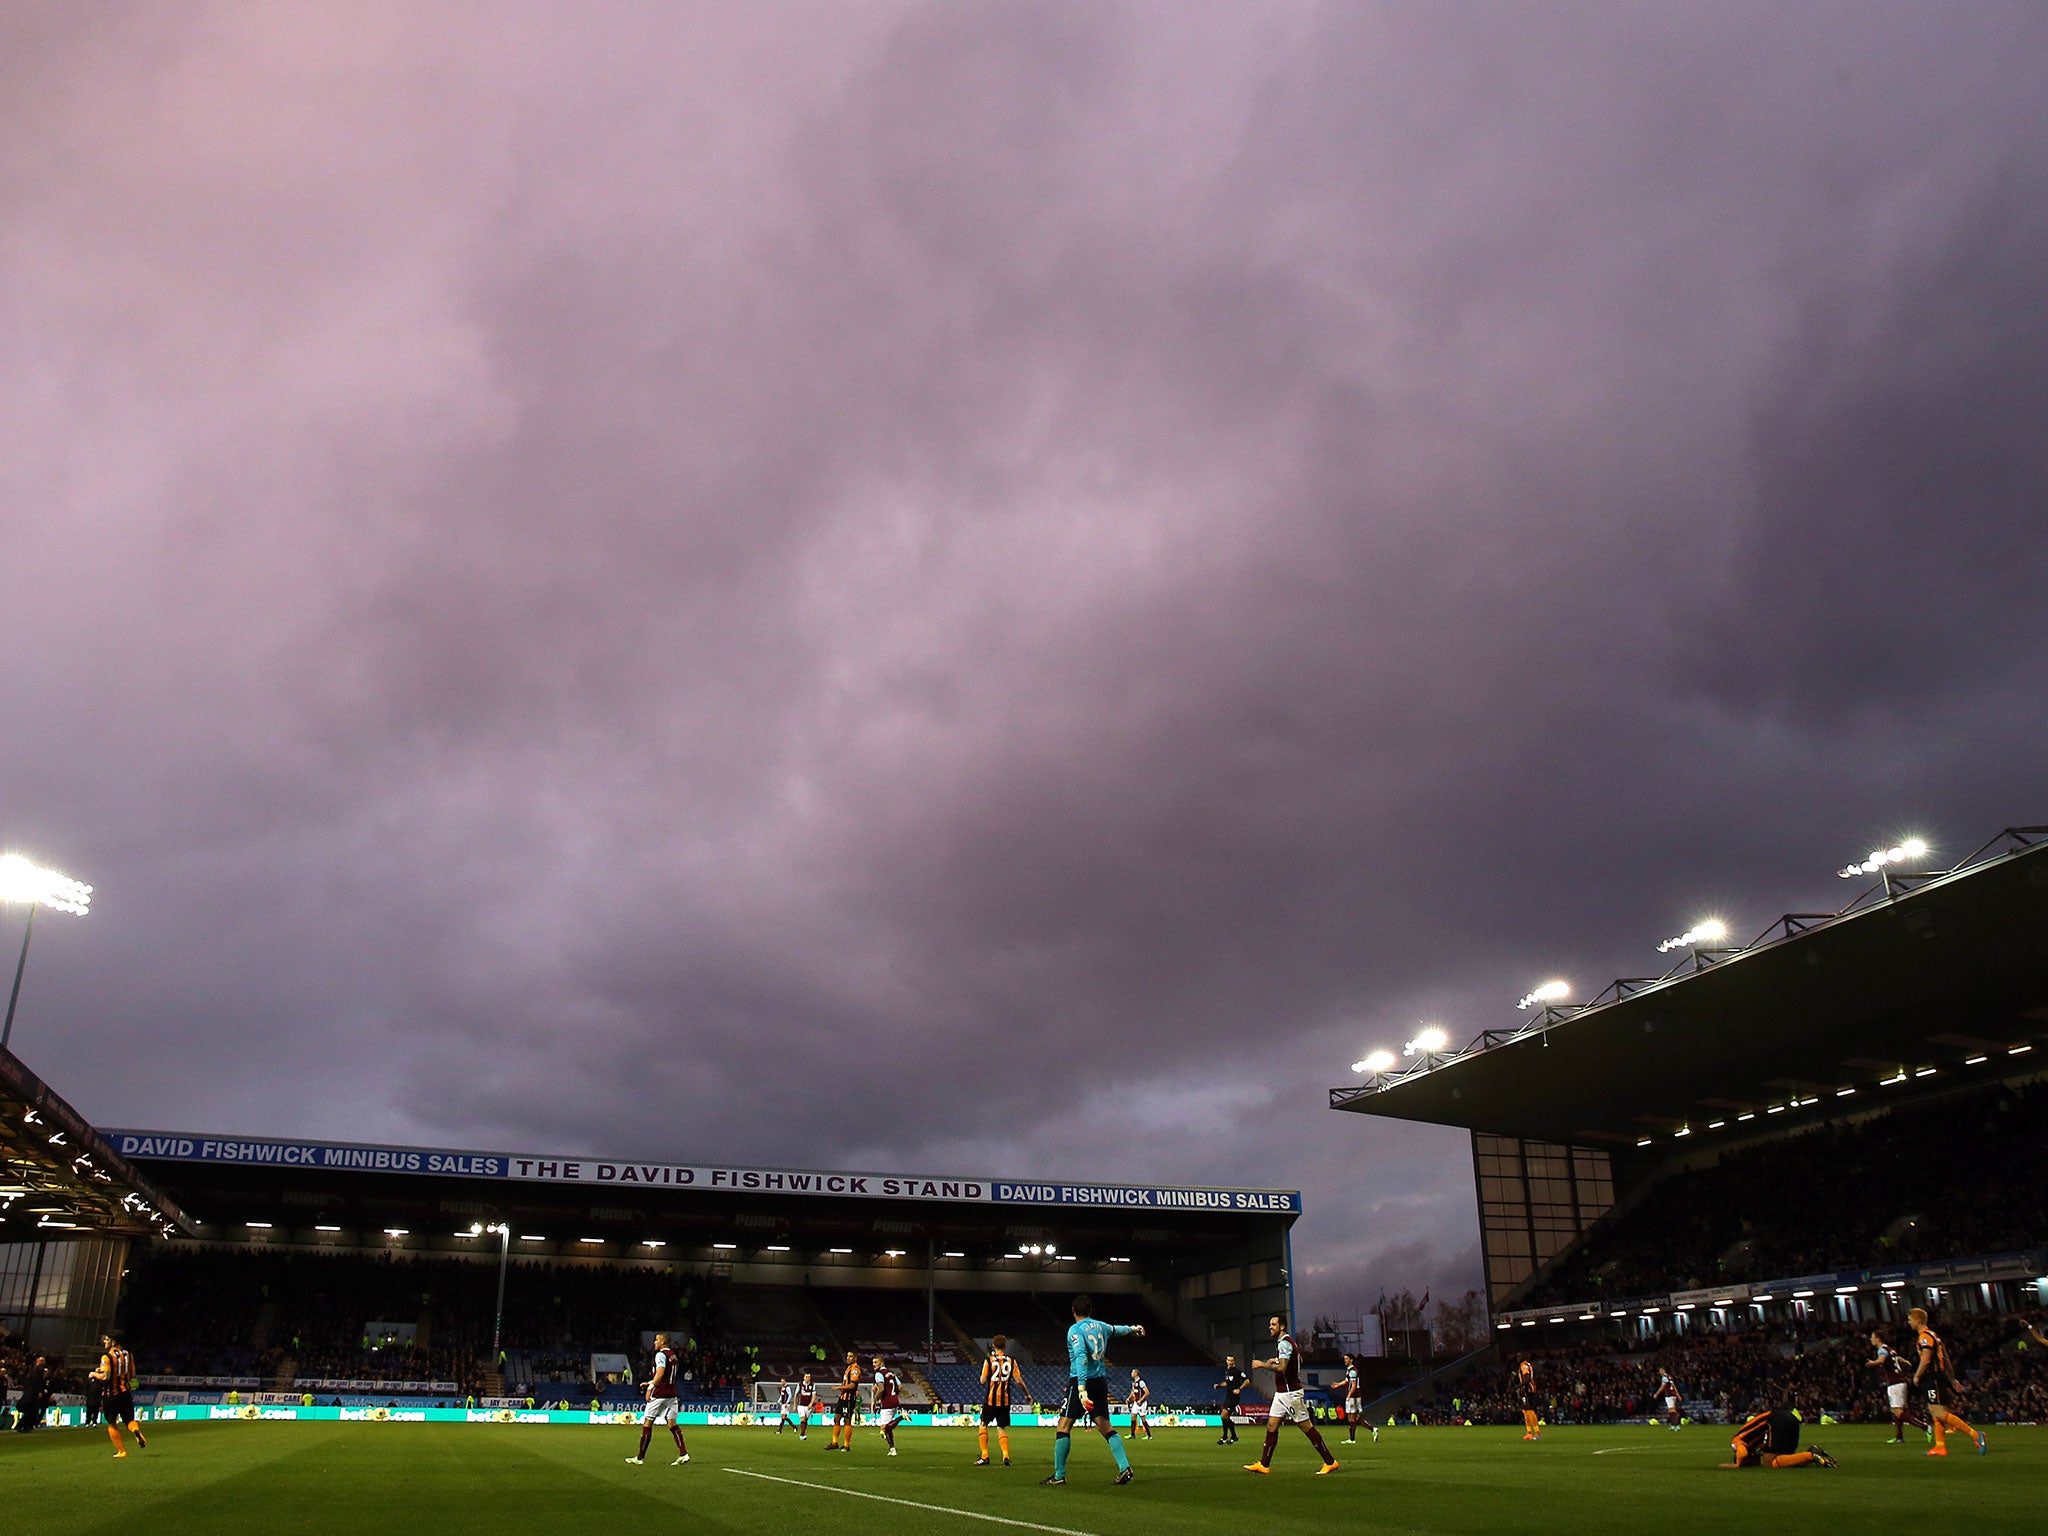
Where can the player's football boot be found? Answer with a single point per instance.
(682, 1460)
(636, 1461)
(1822, 1457)
(1124, 1476)
(1980, 1443)
(1052, 1482)
(982, 1462)
(1937, 1450)
(1259, 1467)
(1326, 1469)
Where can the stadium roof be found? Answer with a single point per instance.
(1920, 981)
(59, 1177)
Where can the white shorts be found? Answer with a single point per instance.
(1671, 1405)
(1140, 1413)
(888, 1417)
(660, 1410)
(1895, 1394)
(1353, 1407)
(804, 1412)
(1288, 1408)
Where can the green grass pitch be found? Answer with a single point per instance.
(409, 1479)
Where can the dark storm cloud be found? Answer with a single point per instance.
(1000, 587)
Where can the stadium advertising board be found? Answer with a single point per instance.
(415, 1414)
(271, 1152)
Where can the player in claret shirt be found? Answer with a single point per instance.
(806, 1405)
(1897, 1377)
(1290, 1401)
(1667, 1394)
(888, 1402)
(661, 1403)
(1354, 1402)
(1139, 1400)
(785, 1403)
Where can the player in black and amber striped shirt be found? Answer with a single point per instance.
(116, 1376)
(999, 1385)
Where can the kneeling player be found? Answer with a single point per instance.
(1771, 1439)
(662, 1404)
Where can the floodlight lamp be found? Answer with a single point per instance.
(1712, 931)
(1377, 1061)
(21, 880)
(476, 1229)
(1549, 992)
(1429, 1040)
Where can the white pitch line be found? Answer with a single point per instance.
(883, 1498)
(1623, 1450)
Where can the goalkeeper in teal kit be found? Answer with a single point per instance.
(1088, 1389)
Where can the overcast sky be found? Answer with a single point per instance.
(1000, 588)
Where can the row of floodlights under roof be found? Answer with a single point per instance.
(1900, 1076)
(1888, 1289)
(1707, 932)
(478, 1229)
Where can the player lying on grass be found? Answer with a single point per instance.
(1771, 1439)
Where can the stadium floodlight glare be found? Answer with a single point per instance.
(654, 1242)
(21, 880)
(1378, 1061)
(590, 1240)
(778, 1247)
(1427, 1042)
(893, 1253)
(2019, 1050)
(531, 1237)
(1975, 1061)
(396, 1232)
(952, 1254)
(1549, 992)
(257, 1226)
(727, 1247)
(1899, 853)
(839, 1250)
(1712, 931)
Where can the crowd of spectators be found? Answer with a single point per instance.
(251, 1311)
(1892, 1190)
(1815, 1367)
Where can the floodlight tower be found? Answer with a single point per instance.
(504, 1231)
(23, 881)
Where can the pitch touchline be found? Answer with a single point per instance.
(883, 1498)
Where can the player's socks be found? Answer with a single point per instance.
(646, 1437)
(140, 1440)
(1272, 1440)
(1956, 1423)
(1315, 1439)
(676, 1434)
(1003, 1440)
(114, 1435)
(1940, 1437)
(1116, 1449)
(1795, 1459)
(1062, 1443)
(983, 1438)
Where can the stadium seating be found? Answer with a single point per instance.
(1903, 1187)
(1815, 1368)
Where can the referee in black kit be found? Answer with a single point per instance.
(1233, 1385)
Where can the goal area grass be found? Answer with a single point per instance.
(398, 1479)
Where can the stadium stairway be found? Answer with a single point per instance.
(286, 1370)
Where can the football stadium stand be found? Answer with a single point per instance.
(1738, 1168)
